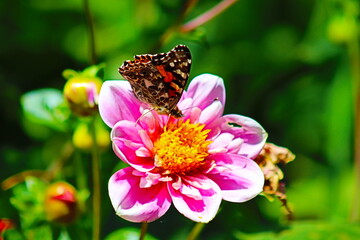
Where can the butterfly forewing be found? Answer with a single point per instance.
(142, 76)
(159, 79)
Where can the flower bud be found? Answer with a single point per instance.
(5, 224)
(83, 140)
(342, 29)
(81, 93)
(61, 205)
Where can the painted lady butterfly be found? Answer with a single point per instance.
(159, 79)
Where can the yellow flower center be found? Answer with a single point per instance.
(181, 148)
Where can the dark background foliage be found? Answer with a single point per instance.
(288, 64)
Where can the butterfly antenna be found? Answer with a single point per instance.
(142, 115)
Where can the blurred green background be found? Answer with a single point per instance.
(291, 65)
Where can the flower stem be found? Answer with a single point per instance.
(195, 23)
(96, 184)
(207, 16)
(144, 226)
(354, 57)
(195, 232)
(166, 36)
(81, 173)
(91, 32)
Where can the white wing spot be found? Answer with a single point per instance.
(148, 83)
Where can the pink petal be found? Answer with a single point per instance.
(235, 145)
(220, 143)
(189, 191)
(185, 105)
(137, 204)
(239, 178)
(211, 117)
(151, 121)
(126, 130)
(204, 89)
(129, 146)
(117, 102)
(143, 152)
(225, 143)
(193, 115)
(211, 113)
(247, 129)
(197, 204)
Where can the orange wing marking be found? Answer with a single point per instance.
(168, 76)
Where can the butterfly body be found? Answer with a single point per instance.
(159, 79)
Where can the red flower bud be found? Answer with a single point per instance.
(61, 205)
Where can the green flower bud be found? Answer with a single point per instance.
(83, 140)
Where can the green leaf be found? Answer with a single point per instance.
(127, 234)
(46, 107)
(89, 72)
(69, 73)
(309, 230)
(40, 232)
(12, 234)
(94, 70)
(28, 199)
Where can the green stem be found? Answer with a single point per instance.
(81, 173)
(91, 30)
(144, 226)
(96, 184)
(195, 232)
(354, 56)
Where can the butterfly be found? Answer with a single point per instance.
(159, 79)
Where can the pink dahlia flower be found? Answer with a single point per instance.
(193, 162)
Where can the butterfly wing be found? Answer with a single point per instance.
(142, 76)
(174, 67)
(159, 79)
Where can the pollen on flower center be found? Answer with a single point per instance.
(182, 147)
